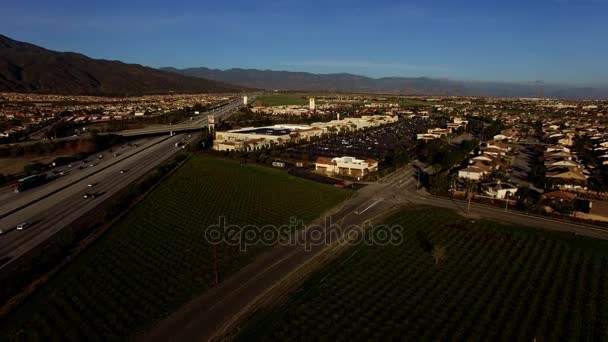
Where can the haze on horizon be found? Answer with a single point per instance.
(558, 41)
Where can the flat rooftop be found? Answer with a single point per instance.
(266, 131)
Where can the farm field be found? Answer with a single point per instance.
(156, 258)
(492, 282)
(282, 100)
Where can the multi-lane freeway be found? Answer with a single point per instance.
(196, 123)
(51, 208)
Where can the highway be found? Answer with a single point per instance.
(10, 201)
(49, 208)
(48, 215)
(220, 309)
(197, 122)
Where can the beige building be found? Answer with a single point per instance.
(251, 138)
(346, 166)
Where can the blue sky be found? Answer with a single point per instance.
(509, 40)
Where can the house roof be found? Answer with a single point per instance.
(484, 156)
(325, 161)
(562, 195)
(560, 154)
(493, 150)
(565, 173)
(472, 169)
(499, 144)
(483, 167)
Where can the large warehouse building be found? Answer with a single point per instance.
(252, 138)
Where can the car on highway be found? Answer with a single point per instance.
(89, 195)
(123, 171)
(116, 154)
(22, 226)
(92, 184)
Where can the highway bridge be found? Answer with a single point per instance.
(50, 208)
(197, 123)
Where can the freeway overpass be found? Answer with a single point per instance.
(199, 122)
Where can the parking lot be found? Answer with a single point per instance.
(374, 143)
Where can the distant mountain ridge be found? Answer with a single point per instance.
(26, 67)
(343, 82)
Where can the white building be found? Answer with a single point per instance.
(346, 166)
(500, 190)
(471, 173)
(311, 103)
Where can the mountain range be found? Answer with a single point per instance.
(343, 82)
(26, 67)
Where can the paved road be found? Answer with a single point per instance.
(49, 208)
(203, 317)
(514, 217)
(197, 123)
(51, 214)
(9, 201)
(200, 319)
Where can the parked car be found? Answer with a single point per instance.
(22, 226)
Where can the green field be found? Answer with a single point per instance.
(156, 258)
(494, 282)
(282, 100)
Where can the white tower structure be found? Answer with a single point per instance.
(245, 100)
(311, 103)
(211, 122)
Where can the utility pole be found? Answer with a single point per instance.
(470, 194)
(216, 268)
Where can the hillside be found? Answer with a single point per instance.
(26, 67)
(303, 81)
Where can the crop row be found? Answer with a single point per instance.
(157, 257)
(495, 283)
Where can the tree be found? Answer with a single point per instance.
(440, 183)
(33, 168)
(439, 253)
(563, 207)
